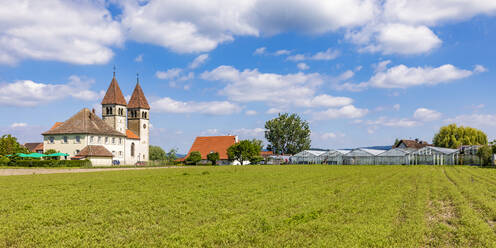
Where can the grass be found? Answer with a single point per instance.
(253, 206)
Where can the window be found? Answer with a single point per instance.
(78, 139)
(65, 140)
(143, 115)
(120, 141)
(99, 139)
(91, 139)
(120, 154)
(77, 151)
(113, 140)
(51, 139)
(132, 149)
(106, 140)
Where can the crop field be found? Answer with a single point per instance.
(253, 206)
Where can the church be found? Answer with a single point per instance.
(121, 136)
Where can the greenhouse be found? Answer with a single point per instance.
(307, 157)
(435, 156)
(333, 156)
(394, 156)
(361, 156)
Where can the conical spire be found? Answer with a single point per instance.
(138, 99)
(114, 94)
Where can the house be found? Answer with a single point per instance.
(411, 144)
(121, 135)
(34, 147)
(211, 144)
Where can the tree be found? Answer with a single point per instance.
(485, 154)
(157, 153)
(396, 142)
(171, 155)
(193, 158)
(51, 151)
(288, 134)
(452, 136)
(9, 145)
(244, 150)
(213, 157)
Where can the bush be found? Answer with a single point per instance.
(193, 158)
(4, 161)
(52, 163)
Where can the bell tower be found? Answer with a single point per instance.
(114, 107)
(138, 118)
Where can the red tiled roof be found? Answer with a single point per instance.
(57, 124)
(206, 145)
(114, 94)
(138, 99)
(33, 147)
(266, 153)
(131, 135)
(84, 122)
(412, 144)
(94, 151)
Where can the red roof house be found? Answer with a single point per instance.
(210, 144)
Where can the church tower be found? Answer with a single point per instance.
(138, 119)
(114, 107)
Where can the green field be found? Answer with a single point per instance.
(257, 206)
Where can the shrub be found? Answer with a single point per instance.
(193, 158)
(4, 161)
(52, 163)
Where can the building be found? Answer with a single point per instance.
(394, 156)
(308, 157)
(211, 144)
(34, 147)
(411, 144)
(361, 156)
(121, 136)
(435, 156)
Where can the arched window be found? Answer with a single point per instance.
(132, 149)
(143, 115)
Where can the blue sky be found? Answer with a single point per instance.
(362, 72)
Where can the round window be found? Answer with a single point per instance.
(144, 126)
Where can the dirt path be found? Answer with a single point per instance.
(32, 171)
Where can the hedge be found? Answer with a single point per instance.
(51, 163)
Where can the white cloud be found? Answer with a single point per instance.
(139, 58)
(396, 107)
(18, 124)
(26, 93)
(78, 32)
(251, 112)
(169, 74)
(260, 50)
(348, 111)
(323, 101)
(200, 60)
(282, 52)
(326, 136)
(480, 68)
(168, 105)
(274, 111)
(474, 120)
(392, 122)
(250, 133)
(252, 85)
(401, 76)
(424, 114)
(303, 66)
(328, 54)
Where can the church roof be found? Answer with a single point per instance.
(114, 94)
(95, 151)
(84, 122)
(138, 99)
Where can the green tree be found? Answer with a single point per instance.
(9, 145)
(171, 156)
(51, 151)
(485, 154)
(244, 150)
(453, 136)
(213, 157)
(193, 158)
(288, 134)
(396, 142)
(157, 153)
